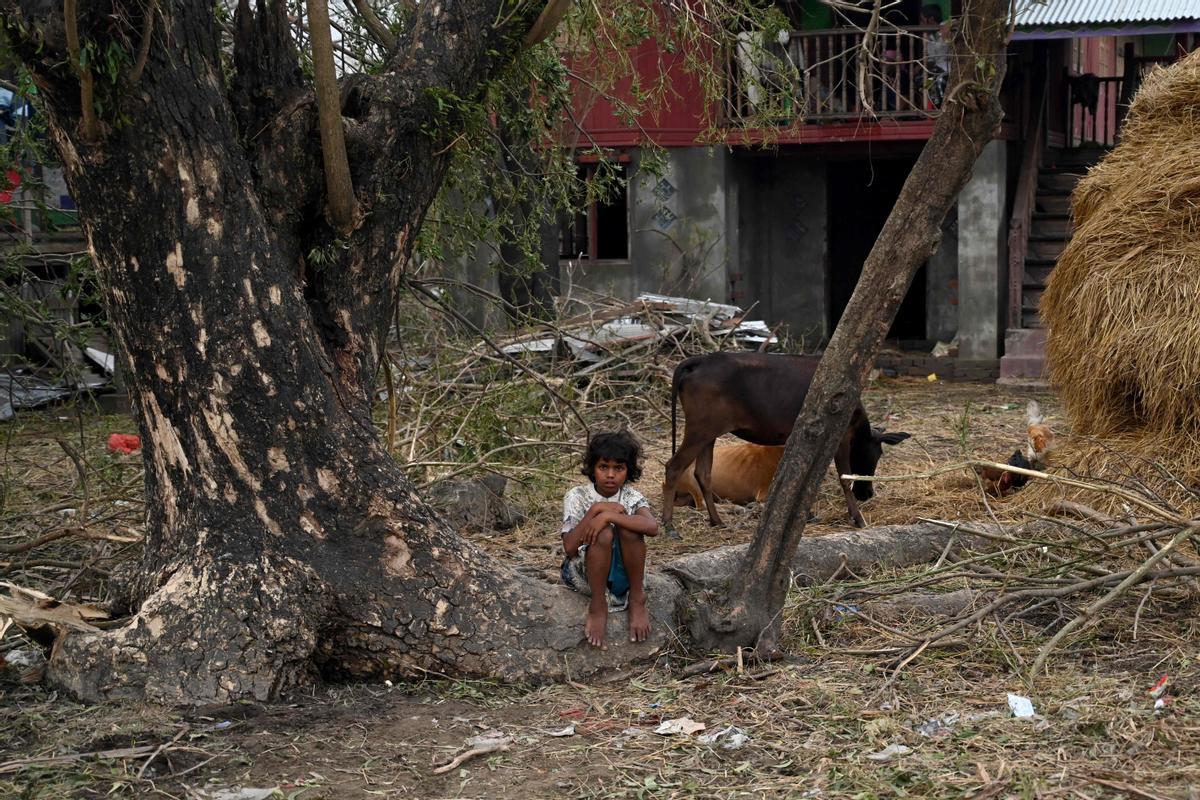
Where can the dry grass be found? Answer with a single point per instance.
(1123, 303)
(813, 720)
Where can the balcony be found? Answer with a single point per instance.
(829, 77)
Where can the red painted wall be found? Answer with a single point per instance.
(680, 120)
(676, 121)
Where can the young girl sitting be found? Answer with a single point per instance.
(604, 528)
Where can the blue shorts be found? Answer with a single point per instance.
(574, 575)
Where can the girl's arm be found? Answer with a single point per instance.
(642, 522)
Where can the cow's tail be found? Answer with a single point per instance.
(674, 397)
(676, 379)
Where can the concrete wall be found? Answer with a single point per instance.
(782, 242)
(479, 269)
(982, 256)
(941, 284)
(679, 232)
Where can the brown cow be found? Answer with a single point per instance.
(757, 397)
(741, 474)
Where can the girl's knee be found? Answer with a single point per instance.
(631, 538)
(603, 539)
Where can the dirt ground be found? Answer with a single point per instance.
(827, 722)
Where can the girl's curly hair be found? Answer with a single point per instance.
(619, 446)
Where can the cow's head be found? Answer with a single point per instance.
(866, 448)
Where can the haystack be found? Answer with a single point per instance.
(1123, 303)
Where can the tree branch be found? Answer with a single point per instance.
(374, 25)
(89, 127)
(339, 191)
(547, 21)
(144, 48)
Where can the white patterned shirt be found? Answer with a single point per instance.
(579, 499)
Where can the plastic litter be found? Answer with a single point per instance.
(891, 752)
(242, 793)
(939, 726)
(734, 738)
(124, 443)
(684, 725)
(1020, 706)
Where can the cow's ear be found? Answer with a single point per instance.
(895, 437)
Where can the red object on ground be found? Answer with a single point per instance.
(124, 443)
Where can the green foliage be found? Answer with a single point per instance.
(516, 148)
(962, 429)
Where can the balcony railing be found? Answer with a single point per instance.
(822, 76)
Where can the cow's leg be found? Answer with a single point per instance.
(703, 474)
(841, 462)
(684, 456)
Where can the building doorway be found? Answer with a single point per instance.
(861, 195)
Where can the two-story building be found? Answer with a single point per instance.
(786, 227)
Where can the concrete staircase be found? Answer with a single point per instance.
(1024, 357)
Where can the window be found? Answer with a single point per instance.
(601, 230)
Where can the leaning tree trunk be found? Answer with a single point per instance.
(968, 121)
(282, 539)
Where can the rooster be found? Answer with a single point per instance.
(1038, 442)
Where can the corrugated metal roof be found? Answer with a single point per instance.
(1084, 12)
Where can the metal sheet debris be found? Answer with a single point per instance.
(650, 318)
(27, 391)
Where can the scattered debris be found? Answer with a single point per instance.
(124, 443)
(240, 793)
(844, 610)
(734, 738)
(1159, 693)
(945, 349)
(1021, 707)
(890, 753)
(939, 726)
(649, 318)
(683, 725)
(567, 731)
(30, 608)
(488, 742)
(26, 665)
(106, 361)
(18, 391)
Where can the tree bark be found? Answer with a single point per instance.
(282, 540)
(968, 120)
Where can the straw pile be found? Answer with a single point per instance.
(1123, 303)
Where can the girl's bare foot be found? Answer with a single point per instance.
(639, 619)
(597, 622)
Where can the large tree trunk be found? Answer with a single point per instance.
(968, 121)
(282, 539)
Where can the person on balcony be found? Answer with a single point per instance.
(937, 53)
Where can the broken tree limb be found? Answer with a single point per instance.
(496, 746)
(821, 557)
(1092, 610)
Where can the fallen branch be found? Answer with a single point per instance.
(1090, 612)
(499, 745)
(748, 656)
